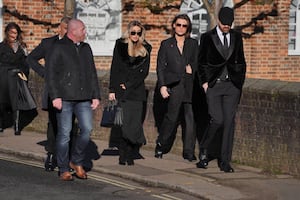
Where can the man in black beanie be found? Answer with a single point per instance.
(222, 69)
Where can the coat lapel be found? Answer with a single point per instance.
(232, 44)
(217, 42)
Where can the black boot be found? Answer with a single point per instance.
(203, 159)
(130, 153)
(50, 162)
(158, 151)
(122, 152)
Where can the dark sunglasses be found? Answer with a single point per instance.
(136, 33)
(182, 25)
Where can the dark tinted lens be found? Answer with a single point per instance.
(136, 33)
(181, 25)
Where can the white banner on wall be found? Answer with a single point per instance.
(103, 23)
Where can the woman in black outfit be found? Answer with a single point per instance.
(129, 68)
(13, 69)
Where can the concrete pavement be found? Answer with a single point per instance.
(172, 172)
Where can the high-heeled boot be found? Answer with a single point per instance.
(17, 123)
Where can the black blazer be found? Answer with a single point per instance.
(171, 64)
(129, 71)
(212, 61)
(42, 51)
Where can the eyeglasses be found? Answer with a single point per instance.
(182, 25)
(136, 33)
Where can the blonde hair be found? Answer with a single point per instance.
(135, 49)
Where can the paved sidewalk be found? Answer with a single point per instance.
(171, 172)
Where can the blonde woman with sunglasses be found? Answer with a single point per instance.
(129, 68)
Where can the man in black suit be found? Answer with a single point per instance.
(177, 62)
(222, 69)
(42, 51)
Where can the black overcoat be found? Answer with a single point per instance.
(42, 51)
(131, 72)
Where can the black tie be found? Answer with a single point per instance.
(225, 48)
(225, 40)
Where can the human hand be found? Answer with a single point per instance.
(95, 103)
(111, 96)
(164, 92)
(188, 69)
(123, 86)
(205, 86)
(57, 103)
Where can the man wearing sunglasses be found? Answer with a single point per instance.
(222, 69)
(176, 66)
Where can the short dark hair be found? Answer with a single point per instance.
(65, 20)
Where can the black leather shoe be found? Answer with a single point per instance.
(1, 129)
(17, 132)
(130, 162)
(225, 167)
(50, 162)
(202, 164)
(189, 157)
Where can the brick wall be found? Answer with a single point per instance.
(267, 126)
(266, 54)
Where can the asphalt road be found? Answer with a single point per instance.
(26, 180)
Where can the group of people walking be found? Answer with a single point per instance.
(72, 89)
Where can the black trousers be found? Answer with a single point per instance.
(51, 130)
(168, 127)
(222, 100)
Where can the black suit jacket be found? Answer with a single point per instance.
(212, 61)
(171, 64)
(42, 51)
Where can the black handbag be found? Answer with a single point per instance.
(25, 100)
(112, 115)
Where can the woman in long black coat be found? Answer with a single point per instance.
(129, 68)
(13, 72)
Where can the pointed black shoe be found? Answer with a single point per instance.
(202, 164)
(226, 167)
(203, 159)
